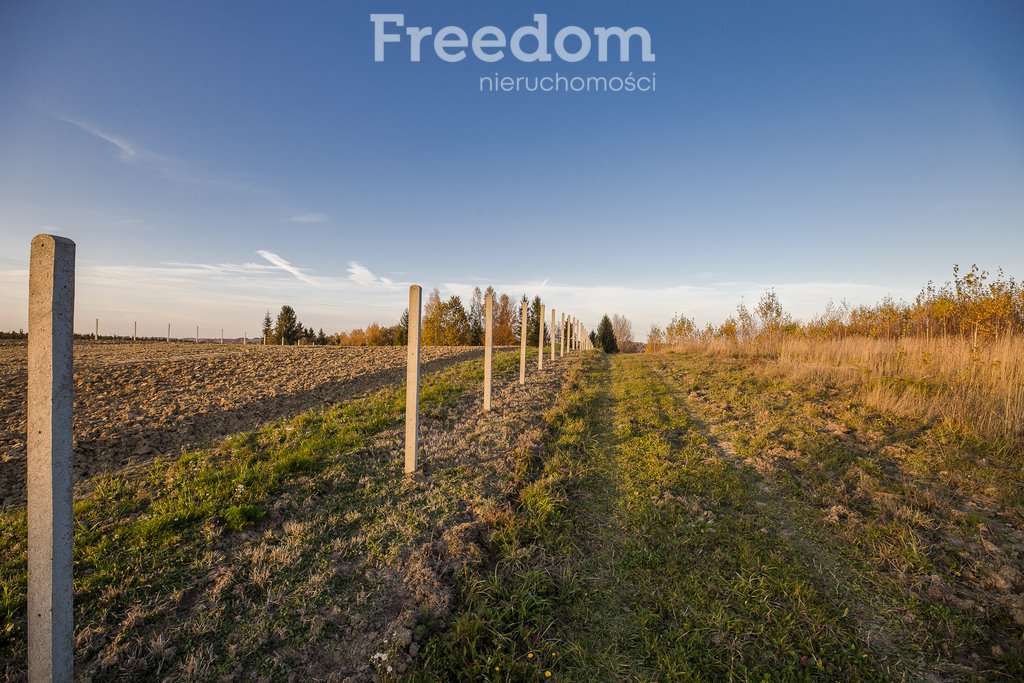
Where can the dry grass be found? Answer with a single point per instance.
(976, 391)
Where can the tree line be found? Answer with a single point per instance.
(974, 306)
(288, 330)
(445, 322)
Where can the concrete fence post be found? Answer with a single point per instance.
(552, 335)
(135, 331)
(540, 339)
(245, 338)
(412, 381)
(522, 347)
(168, 332)
(51, 313)
(96, 334)
(488, 347)
(561, 335)
(197, 334)
(222, 335)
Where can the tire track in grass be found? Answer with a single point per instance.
(910, 640)
(831, 574)
(682, 575)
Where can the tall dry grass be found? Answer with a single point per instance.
(979, 391)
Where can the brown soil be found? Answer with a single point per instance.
(134, 402)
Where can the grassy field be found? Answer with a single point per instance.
(299, 549)
(706, 516)
(698, 515)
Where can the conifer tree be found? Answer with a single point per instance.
(403, 323)
(457, 326)
(268, 327)
(288, 327)
(533, 322)
(605, 338)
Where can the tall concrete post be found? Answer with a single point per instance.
(135, 331)
(488, 347)
(168, 332)
(222, 335)
(245, 338)
(552, 335)
(412, 381)
(96, 334)
(522, 347)
(197, 334)
(540, 339)
(51, 313)
(561, 333)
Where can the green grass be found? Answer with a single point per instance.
(685, 517)
(677, 528)
(205, 550)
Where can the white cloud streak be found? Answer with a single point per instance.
(235, 296)
(151, 162)
(361, 275)
(127, 151)
(308, 218)
(280, 263)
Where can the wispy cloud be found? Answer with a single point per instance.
(235, 295)
(128, 151)
(309, 218)
(279, 262)
(361, 275)
(151, 162)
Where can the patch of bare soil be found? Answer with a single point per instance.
(353, 568)
(463, 444)
(134, 402)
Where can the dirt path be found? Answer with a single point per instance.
(690, 568)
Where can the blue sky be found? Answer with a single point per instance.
(213, 160)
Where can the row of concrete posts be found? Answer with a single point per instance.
(572, 337)
(49, 436)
